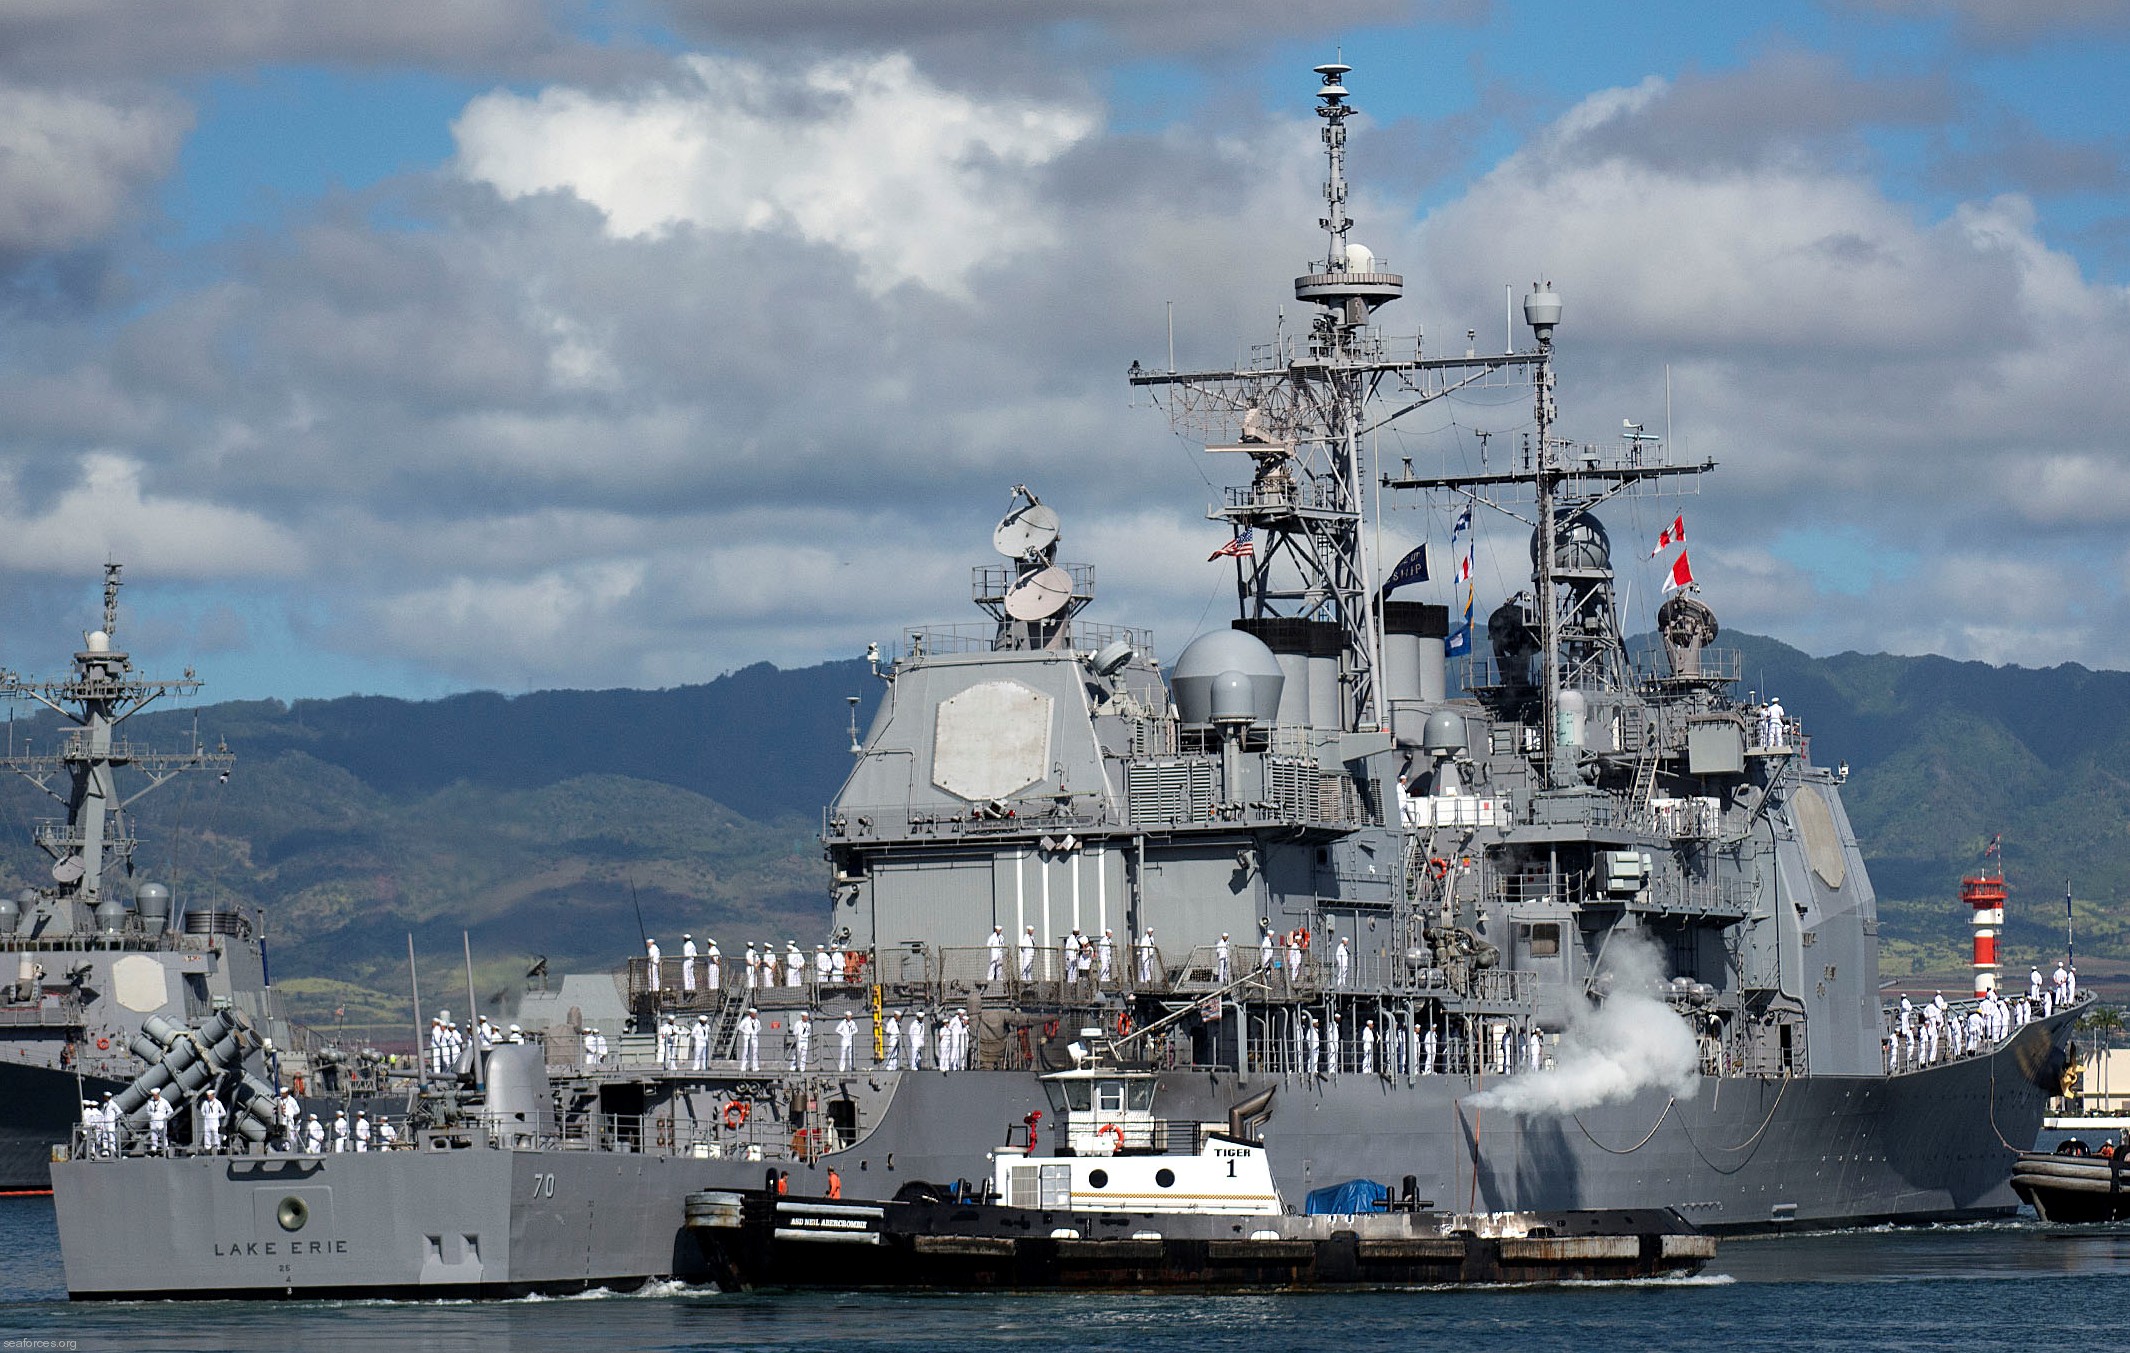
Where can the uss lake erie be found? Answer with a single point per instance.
(2020, 1284)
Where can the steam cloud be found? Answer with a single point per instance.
(1629, 1043)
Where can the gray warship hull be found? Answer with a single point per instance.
(43, 1105)
(492, 1221)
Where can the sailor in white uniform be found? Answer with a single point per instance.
(914, 1035)
(699, 1044)
(1331, 1045)
(289, 1111)
(1312, 1040)
(1220, 959)
(650, 957)
(362, 1131)
(794, 965)
(1368, 1047)
(750, 1030)
(752, 963)
(824, 967)
(159, 1114)
(1146, 955)
(802, 1041)
(713, 965)
(891, 1034)
(313, 1135)
(846, 1036)
(92, 1127)
(687, 962)
(436, 1045)
(387, 1135)
(1264, 947)
(1771, 729)
(2033, 985)
(1074, 943)
(1342, 962)
(2070, 983)
(996, 946)
(1427, 1052)
(1294, 956)
(340, 1132)
(212, 1116)
(1105, 949)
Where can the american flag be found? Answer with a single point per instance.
(1238, 548)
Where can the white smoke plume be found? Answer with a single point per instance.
(1630, 1042)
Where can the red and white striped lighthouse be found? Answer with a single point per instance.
(1984, 892)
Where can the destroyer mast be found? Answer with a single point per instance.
(92, 848)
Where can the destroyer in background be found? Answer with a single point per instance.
(1585, 932)
(94, 952)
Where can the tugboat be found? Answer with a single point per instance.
(1135, 1205)
(1549, 925)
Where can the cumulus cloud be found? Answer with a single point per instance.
(917, 182)
(2008, 23)
(147, 37)
(71, 163)
(108, 514)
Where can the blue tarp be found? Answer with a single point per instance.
(1355, 1195)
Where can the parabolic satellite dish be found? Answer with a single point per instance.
(68, 870)
(1026, 532)
(1040, 595)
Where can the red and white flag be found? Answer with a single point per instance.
(1682, 574)
(1670, 536)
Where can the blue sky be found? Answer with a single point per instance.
(629, 343)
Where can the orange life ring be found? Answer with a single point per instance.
(1440, 866)
(1113, 1132)
(103, 1044)
(1124, 1022)
(736, 1115)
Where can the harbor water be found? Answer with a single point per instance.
(1885, 1290)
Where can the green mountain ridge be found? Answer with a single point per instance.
(542, 824)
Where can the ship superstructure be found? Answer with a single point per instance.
(93, 951)
(1559, 925)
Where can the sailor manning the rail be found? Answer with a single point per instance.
(1221, 959)
(1368, 1047)
(340, 1132)
(1146, 955)
(750, 1030)
(996, 946)
(1028, 947)
(1342, 962)
(915, 1037)
(313, 1135)
(1104, 948)
(891, 1035)
(713, 965)
(687, 962)
(362, 1131)
(1771, 729)
(288, 1111)
(650, 961)
(846, 1034)
(802, 1041)
(699, 1044)
(159, 1114)
(212, 1115)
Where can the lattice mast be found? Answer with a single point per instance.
(94, 843)
(1301, 416)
